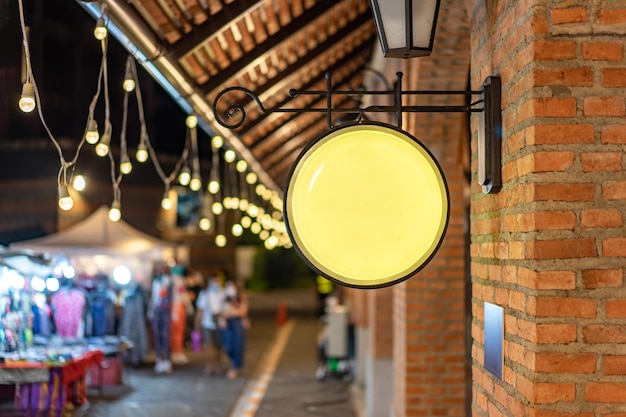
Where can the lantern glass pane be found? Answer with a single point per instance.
(392, 13)
(423, 22)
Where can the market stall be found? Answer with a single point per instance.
(78, 314)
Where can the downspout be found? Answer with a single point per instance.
(127, 26)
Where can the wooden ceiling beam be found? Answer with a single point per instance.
(254, 57)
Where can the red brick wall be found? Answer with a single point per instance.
(549, 248)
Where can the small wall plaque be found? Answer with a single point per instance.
(494, 339)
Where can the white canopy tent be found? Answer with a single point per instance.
(97, 245)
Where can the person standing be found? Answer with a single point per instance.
(209, 310)
(160, 312)
(234, 333)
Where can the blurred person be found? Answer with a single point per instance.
(209, 316)
(236, 324)
(181, 307)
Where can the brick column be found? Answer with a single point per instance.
(550, 248)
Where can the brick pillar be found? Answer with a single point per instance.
(550, 247)
(429, 317)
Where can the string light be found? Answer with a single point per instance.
(166, 202)
(241, 166)
(125, 165)
(230, 156)
(217, 208)
(27, 99)
(142, 152)
(217, 142)
(79, 183)
(115, 213)
(204, 224)
(191, 121)
(102, 148)
(220, 240)
(214, 186)
(65, 199)
(100, 31)
(251, 178)
(185, 176)
(237, 229)
(129, 81)
(92, 135)
(196, 183)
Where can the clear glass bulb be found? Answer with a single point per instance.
(214, 186)
(227, 202)
(255, 228)
(259, 189)
(100, 32)
(166, 203)
(251, 178)
(79, 183)
(191, 121)
(241, 166)
(246, 221)
(65, 199)
(243, 204)
(195, 184)
(115, 214)
(128, 84)
(253, 210)
(185, 176)
(237, 229)
(204, 224)
(92, 135)
(102, 149)
(27, 99)
(230, 156)
(220, 240)
(142, 153)
(125, 165)
(217, 142)
(217, 208)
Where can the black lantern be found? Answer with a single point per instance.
(406, 28)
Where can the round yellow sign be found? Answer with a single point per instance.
(366, 205)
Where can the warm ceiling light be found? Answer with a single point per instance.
(79, 183)
(115, 212)
(230, 156)
(196, 183)
(217, 142)
(366, 205)
(204, 224)
(220, 240)
(129, 81)
(142, 152)
(102, 148)
(214, 186)
(237, 229)
(406, 28)
(241, 166)
(185, 175)
(251, 178)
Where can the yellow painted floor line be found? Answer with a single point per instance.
(255, 388)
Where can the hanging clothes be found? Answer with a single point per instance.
(161, 310)
(133, 326)
(67, 305)
(102, 310)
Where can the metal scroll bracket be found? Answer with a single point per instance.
(487, 103)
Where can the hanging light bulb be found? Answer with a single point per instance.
(259, 189)
(255, 228)
(217, 208)
(92, 135)
(204, 224)
(246, 221)
(115, 213)
(227, 202)
(243, 204)
(220, 240)
(251, 178)
(79, 183)
(102, 148)
(65, 200)
(196, 183)
(185, 176)
(100, 32)
(214, 187)
(142, 152)
(241, 166)
(237, 229)
(166, 202)
(129, 81)
(191, 121)
(271, 242)
(125, 165)
(253, 210)
(27, 99)
(217, 142)
(230, 156)
(234, 203)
